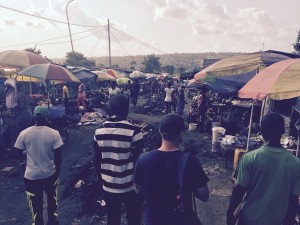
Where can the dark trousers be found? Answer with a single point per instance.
(133, 208)
(134, 99)
(66, 103)
(168, 107)
(180, 109)
(34, 191)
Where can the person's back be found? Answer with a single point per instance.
(118, 143)
(273, 177)
(268, 181)
(157, 179)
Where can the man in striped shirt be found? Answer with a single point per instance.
(118, 144)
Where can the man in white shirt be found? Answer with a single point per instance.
(43, 149)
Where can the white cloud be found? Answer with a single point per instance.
(217, 28)
(10, 22)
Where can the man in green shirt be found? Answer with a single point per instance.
(268, 181)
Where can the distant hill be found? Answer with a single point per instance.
(187, 60)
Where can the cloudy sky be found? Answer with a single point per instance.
(149, 26)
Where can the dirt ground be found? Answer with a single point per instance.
(79, 206)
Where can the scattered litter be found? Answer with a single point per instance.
(76, 222)
(77, 166)
(94, 219)
(7, 169)
(79, 184)
(102, 202)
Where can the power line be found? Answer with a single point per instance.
(122, 47)
(51, 39)
(52, 43)
(96, 42)
(44, 18)
(149, 46)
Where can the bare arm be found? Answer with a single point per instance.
(202, 193)
(236, 198)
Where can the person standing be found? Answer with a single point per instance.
(43, 149)
(135, 91)
(118, 144)
(181, 100)
(156, 176)
(168, 97)
(113, 90)
(268, 181)
(21, 115)
(81, 96)
(66, 96)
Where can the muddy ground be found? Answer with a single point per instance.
(79, 206)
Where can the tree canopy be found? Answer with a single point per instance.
(151, 64)
(78, 59)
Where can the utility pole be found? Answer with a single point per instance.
(263, 45)
(109, 50)
(69, 26)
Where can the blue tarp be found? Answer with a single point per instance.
(85, 75)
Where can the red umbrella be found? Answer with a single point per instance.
(20, 59)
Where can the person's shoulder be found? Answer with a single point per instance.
(147, 155)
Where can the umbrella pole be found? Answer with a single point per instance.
(262, 110)
(250, 125)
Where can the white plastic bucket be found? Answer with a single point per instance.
(216, 132)
(192, 126)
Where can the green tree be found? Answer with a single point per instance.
(132, 65)
(78, 59)
(151, 64)
(181, 69)
(297, 43)
(170, 69)
(34, 50)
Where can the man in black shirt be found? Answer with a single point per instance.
(156, 175)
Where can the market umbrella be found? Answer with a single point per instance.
(123, 80)
(278, 81)
(49, 72)
(102, 76)
(137, 74)
(20, 59)
(242, 64)
(112, 72)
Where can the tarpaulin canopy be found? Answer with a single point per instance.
(85, 75)
(242, 63)
(278, 81)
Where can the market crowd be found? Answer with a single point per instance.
(166, 179)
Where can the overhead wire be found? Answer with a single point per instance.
(51, 39)
(122, 47)
(52, 20)
(96, 42)
(51, 43)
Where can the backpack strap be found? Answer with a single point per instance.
(181, 167)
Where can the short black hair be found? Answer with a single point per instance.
(119, 105)
(272, 125)
(171, 126)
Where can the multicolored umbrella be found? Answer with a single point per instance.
(49, 72)
(242, 64)
(113, 73)
(278, 81)
(20, 59)
(124, 80)
(137, 74)
(102, 76)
